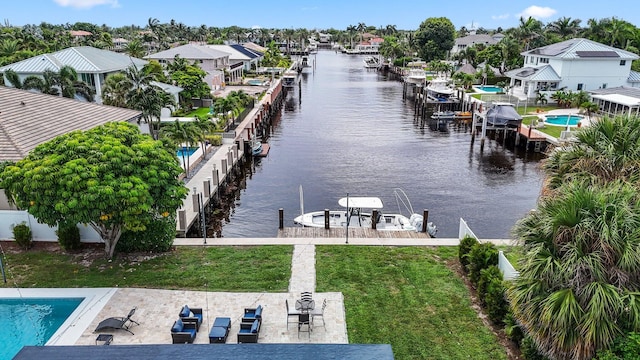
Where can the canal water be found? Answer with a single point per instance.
(347, 129)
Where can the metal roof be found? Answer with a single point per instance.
(207, 351)
(234, 53)
(634, 76)
(84, 59)
(190, 52)
(621, 90)
(572, 48)
(619, 99)
(248, 52)
(543, 73)
(29, 119)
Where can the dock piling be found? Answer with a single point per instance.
(326, 219)
(425, 220)
(281, 218)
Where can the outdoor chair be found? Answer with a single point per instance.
(319, 313)
(188, 314)
(306, 295)
(248, 332)
(183, 332)
(252, 314)
(123, 323)
(304, 320)
(291, 312)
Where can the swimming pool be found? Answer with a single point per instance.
(31, 321)
(255, 82)
(490, 88)
(563, 120)
(186, 151)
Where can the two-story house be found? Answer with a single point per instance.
(575, 64)
(473, 39)
(214, 62)
(240, 53)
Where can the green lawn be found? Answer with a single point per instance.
(408, 297)
(203, 111)
(262, 268)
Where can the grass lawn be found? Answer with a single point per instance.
(203, 111)
(261, 268)
(408, 297)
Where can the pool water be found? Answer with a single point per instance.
(255, 82)
(186, 151)
(563, 120)
(490, 88)
(31, 321)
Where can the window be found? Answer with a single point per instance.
(580, 87)
(88, 78)
(544, 60)
(623, 62)
(604, 86)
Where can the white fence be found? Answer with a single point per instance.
(40, 232)
(508, 271)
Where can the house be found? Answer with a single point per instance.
(324, 38)
(239, 53)
(29, 119)
(474, 39)
(120, 44)
(370, 46)
(214, 62)
(621, 100)
(79, 35)
(93, 65)
(576, 64)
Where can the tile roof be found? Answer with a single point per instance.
(476, 39)
(191, 52)
(84, 59)
(543, 73)
(28, 119)
(578, 48)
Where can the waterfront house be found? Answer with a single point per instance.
(240, 53)
(214, 62)
(473, 39)
(93, 65)
(572, 65)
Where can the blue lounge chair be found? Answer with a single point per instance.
(188, 314)
(252, 314)
(183, 332)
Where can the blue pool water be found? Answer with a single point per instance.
(187, 151)
(31, 321)
(490, 88)
(255, 82)
(563, 120)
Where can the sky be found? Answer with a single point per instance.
(312, 14)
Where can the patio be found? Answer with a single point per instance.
(158, 309)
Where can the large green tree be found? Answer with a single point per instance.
(110, 177)
(434, 38)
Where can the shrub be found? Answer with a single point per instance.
(68, 236)
(158, 237)
(481, 257)
(512, 329)
(495, 300)
(22, 235)
(529, 350)
(486, 275)
(466, 244)
(627, 347)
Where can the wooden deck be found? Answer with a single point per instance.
(533, 135)
(309, 232)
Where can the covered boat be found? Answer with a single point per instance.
(503, 114)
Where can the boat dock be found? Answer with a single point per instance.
(265, 150)
(311, 232)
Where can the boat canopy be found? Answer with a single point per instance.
(361, 202)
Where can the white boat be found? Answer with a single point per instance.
(357, 213)
(439, 90)
(443, 115)
(371, 62)
(290, 78)
(416, 76)
(256, 147)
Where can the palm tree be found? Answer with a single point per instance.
(565, 27)
(181, 133)
(135, 49)
(205, 126)
(115, 89)
(541, 98)
(578, 285)
(70, 86)
(589, 107)
(351, 30)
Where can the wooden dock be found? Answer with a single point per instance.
(265, 150)
(310, 232)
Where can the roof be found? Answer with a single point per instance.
(234, 53)
(634, 76)
(255, 47)
(476, 39)
(467, 69)
(204, 351)
(361, 202)
(171, 89)
(79, 33)
(191, 52)
(84, 59)
(623, 95)
(580, 48)
(29, 119)
(543, 73)
(252, 54)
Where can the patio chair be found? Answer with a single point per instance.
(291, 312)
(306, 295)
(121, 323)
(183, 332)
(188, 314)
(248, 332)
(319, 313)
(252, 314)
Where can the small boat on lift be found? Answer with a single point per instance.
(290, 78)
(256, 147)
(358, 212)
(371, 62)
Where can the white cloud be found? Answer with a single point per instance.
(86, 4)
(500, 17)
(537, 12)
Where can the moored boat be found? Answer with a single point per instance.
(416, 76)
(371, 62)
(290, 78)
(439, 90)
